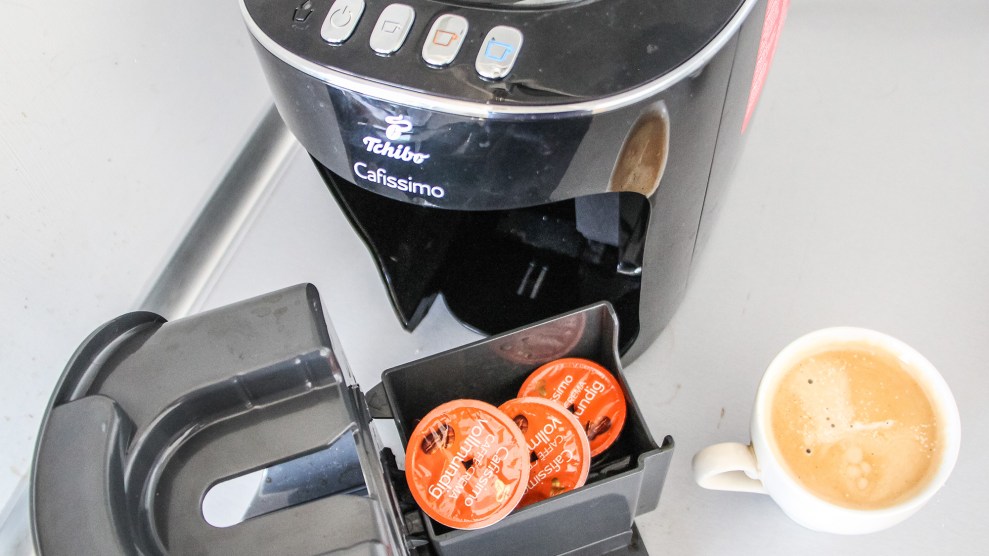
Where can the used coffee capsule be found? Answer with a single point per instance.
(587, 390)
(559, 452)
(467, 464)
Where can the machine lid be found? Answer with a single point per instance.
(149, 415)
(503, 57)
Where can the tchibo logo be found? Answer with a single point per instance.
(398, 130)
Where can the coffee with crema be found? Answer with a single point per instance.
(855, 428)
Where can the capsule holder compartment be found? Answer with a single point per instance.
(624, 481)
(149, 415)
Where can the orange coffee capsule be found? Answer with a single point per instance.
(589, 391)
(467, 464)
(559, 453)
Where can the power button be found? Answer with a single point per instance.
(341, 21)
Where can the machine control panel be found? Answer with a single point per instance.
(495, 58)
(505, 52)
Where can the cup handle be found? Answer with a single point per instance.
(728, 466)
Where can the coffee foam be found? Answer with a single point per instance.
(855, 428)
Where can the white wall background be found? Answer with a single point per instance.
(116, 120)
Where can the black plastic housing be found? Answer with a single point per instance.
(609, 98)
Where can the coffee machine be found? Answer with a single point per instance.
(547, 166)
(521, 158)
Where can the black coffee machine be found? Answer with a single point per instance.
(523, 158)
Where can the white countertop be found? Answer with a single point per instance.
(859, 200)
(116, 121)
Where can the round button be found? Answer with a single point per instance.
(341, 18)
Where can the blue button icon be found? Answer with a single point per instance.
(498, 51)
(500, 48)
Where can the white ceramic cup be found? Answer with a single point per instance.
(759, 467)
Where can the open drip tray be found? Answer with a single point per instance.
(150, 415)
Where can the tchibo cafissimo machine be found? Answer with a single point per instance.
(520, 157)
(548, 166)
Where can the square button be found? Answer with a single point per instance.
(498, 52)
(392, 28)
(444, 40)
